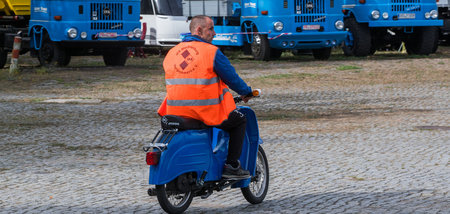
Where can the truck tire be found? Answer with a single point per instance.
(51, 54)
(358, 41)
(260, 47)
(115, 57)
(423, 41)
(322, 53)
(3, 57)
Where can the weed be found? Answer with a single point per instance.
(42, 70)
(347, 67)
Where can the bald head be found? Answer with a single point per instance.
(198, 21)
(203, 27)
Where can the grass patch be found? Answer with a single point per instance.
(347, 67)
(355, 178)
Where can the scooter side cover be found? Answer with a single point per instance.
(188, 151)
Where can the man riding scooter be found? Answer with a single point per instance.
(197, 77)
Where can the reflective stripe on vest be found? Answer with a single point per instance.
(192, 81)
(206, 102)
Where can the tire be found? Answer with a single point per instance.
(51, 54)
(260, 47)
(423, 41)
(259, 185)
(115, 57)
(322, 53)
(166, 200)
(358, 41)
(3, 57)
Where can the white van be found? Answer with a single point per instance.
(165, 22)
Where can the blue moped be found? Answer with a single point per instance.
(186, 160)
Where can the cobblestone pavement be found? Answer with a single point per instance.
(389, 155)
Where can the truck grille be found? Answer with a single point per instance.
(106, 11)
(106, 25)
(405, 5)
(300, 19)
(309, 6)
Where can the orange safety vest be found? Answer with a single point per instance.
(193, 88)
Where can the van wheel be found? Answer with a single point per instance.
(115, 57)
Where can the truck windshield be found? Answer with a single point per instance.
(169, 7)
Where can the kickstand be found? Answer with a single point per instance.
(207, 194)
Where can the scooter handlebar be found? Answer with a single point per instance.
(254, 93)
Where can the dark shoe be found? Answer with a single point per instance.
(232, 173)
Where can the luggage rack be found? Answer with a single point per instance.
(161, 140)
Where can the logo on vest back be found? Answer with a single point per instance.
(184, 60)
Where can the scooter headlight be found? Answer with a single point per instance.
(339, 24)
(434, 14)
(137, 33)
(72, 33)
(278, 26)
(375, 14)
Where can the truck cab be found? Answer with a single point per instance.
(444, 15)
(164, 22)
(266, 28)
(386, 24)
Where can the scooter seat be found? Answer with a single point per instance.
(181, 123)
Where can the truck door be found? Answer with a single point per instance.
(148, 16)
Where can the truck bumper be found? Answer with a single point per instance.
(405, 23)
(306, 40)
(102, 44)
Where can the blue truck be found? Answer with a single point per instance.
(266, 28)
(387, 24)
(55, 30)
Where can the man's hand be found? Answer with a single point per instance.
(245, 98)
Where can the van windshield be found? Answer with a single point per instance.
(169, 7)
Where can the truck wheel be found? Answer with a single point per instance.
(115, 57)
(260, 47)
(358, 41)
(3, 57)
(322, 53)
(423, 41)
(259, 184)
(52, 54)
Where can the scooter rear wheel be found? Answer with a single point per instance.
(173, 202)
(259, 184)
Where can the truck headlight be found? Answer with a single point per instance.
(433, 14)
(339, 24)
(137, 33)
(72, 33)
(375, 14)
(427, 15)
(278, 26)
(83, 35)
(385, 15)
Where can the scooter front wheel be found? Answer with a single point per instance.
(259, 184)
(171, 201)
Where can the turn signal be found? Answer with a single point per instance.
(362, 1)
(264, 12)
(57, 18)
(256, 92)
(153, 158)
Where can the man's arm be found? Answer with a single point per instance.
(227, 73)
